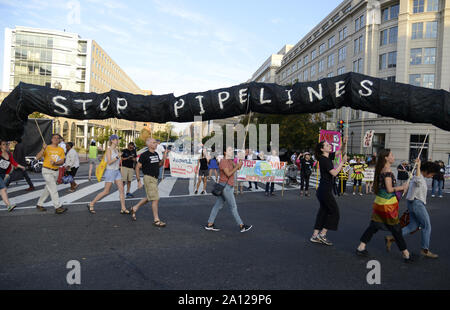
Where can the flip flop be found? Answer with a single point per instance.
(89, 209)
(159, 224)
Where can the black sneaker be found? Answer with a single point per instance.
(363, 253)
(245, 228)
(203, 192)
(315, 239)
(412, 258)
(60, 210)
(324, 240)
(212, 228)
(196, 192)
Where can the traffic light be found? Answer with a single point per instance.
(341, 125)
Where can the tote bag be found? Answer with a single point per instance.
(101, 168)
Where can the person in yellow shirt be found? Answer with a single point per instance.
(53, 158)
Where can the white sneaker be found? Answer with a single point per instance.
(433, 196)
(440, 196)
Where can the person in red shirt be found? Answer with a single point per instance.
(6, 163)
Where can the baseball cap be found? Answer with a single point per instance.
(114, 137)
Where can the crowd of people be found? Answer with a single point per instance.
(121, 166)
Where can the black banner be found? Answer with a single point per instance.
(360, 92)
(32, 139)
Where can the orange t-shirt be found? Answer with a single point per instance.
(226, 163)
(52, 153)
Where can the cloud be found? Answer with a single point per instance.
(177, 11)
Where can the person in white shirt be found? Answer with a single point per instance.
(62, 144)
(272, 158)
(160, 150)
(416, 200)
(72, 164)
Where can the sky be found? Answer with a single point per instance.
(176, 46)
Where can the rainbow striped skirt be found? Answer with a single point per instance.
(385, 208)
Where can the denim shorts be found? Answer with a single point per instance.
(2, 182)
(111, 175)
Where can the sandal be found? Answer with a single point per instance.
(90, 209)
(159, 224)
(133, 214)
(124, 211)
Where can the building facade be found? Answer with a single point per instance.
(406, 41)
(65, 61)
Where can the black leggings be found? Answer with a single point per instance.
(304, 181)
(396, 231)
(357, 181)
(328, 215)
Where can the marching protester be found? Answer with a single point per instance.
(272, 158)
(19, 157)
(358, 175)
(202, 169)
(93, 158)
(294, 158)
(385, 206)
(307, 165)
(227, 170)
(328, 216)
(127, 170)
(160, 150)
(343, 178)
(368, 175)
(150, 162)
(72, 164)
(112, 175)
(416, 202)
(403, 172)
(249, 156)
(438, 181)
(54, 157)
(62, 143)
(213, 166)
(6, 163)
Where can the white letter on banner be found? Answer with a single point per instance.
(289, 102)
(121, 107)
(102, 107)
(59, 105)
(339, 88)
(177, 106)
(261, 97)
(199, 98)
(221, 99)
(84, 103)
(369, 91)
(243, 95)
(312, 91)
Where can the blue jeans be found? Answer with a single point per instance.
(228, 197)
(418, 217)
(437, 187)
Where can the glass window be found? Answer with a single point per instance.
(331, 60)
(431, 30)
(383, 37)
(331, 42)
(416, 56)
(321, 65)
(385, 14)
(393, 34)
(321, 48)
(418, 6)
(313, 54)
(383, 61)
(394, 11)
(294, 67)
(428, 80)
(392, 60)
(342, 53)
(357, 26)
(414, 79)
(305, 60)
(299, 63)
(313, 70)
(417, 31)
(330, 74)
(429, 56)
(341, 70)
(305, 75)
(432, 5)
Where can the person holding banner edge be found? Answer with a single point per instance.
(328, 215)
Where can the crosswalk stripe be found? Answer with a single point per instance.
(69, 198)
(22, 187)
(166, 186)
(115, 195)
(35, 194)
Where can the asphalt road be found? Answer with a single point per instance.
(116, 253)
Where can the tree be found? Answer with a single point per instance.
(37, 115)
